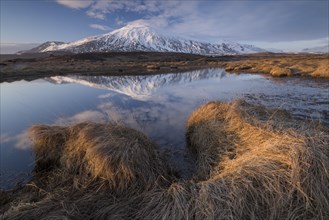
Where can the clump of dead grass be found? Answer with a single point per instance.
(322, 69)
(173, 202)
(280, 71)
(252, 163)
(254, 168)
(49, 144)
(88, 171)
(117, 154)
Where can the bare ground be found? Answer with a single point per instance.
(33, 66)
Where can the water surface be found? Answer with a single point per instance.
(157, 105)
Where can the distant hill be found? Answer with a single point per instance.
(45, 46)
(322, 49)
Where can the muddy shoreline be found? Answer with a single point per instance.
(34, 66)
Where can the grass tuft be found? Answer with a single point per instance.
(255, 165)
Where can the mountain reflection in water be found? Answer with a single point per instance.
(139, 87)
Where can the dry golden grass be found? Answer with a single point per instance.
(173, 202)
(87, 171)
(117, 154)
(280, 71)
(284, 65)
(203, 142)
(322, 70)
(258, 169)
(252, 163)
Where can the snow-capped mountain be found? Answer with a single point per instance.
(138, 87)
(45, 46)
(322, 49)
(141, 37)
(241, 48)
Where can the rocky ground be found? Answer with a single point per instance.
(33, 66)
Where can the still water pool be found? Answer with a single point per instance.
(157, 105)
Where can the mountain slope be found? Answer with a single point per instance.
(47, 46)
(140, 37)
(322, 49)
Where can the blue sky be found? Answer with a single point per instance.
(285, 24)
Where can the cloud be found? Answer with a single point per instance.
(100, 27)
(253, 20)
(95, 14)
(120, 21)
(5, 138)
(91, 116)
(100, 8)
(22, 140)
(104, 96)
(76, 4)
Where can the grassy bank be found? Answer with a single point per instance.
(280, 65)
(34, 66)
(258, 164)
(252, 163)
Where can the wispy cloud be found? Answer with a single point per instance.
(100, 8)
(100, 27)
(22, 140)
(95, 14)
(120, 21)
(93, 116)
(76, 4)
(253, 20)
(4, 138)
